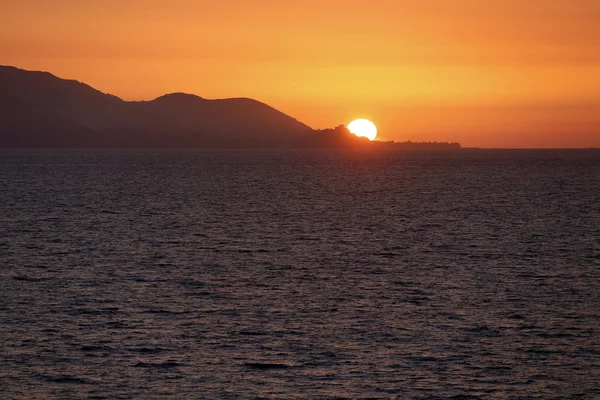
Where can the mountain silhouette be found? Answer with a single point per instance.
(38, 109)
(27, 124)
(336, 138)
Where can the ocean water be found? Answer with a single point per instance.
(299, 274)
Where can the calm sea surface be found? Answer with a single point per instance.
(245, 274)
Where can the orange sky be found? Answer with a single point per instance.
(510, 73)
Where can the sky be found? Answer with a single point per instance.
(510, 73)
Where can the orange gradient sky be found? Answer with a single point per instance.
(510, 73)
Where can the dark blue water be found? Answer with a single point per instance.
(185, 275)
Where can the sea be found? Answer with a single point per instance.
(245, 274)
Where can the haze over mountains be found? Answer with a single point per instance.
(37, 109)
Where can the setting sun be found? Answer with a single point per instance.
(363, 127)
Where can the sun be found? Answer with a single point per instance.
(363, 127)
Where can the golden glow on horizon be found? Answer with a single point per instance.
(364, 128)
(485, 73)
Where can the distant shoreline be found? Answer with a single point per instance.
(294, 149)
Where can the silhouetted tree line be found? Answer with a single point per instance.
(419, 145)
(340, 137)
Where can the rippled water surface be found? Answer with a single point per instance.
(153, 275)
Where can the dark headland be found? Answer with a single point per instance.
(40, 110)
